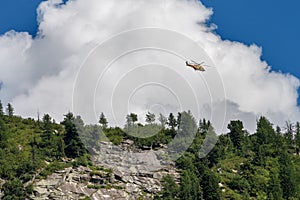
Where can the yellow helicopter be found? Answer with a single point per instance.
(195, 65)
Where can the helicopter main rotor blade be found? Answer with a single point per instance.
(194, 62)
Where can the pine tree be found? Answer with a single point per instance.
(103, 121)
(3, 134)
(236, 133)
(297, 137)
(185, 185)
(150, 117)
(287, 175)
(73, 145)
(61, 147)
(274, 188)
(278, 142)
(289, 134)
(131, 119)
(163, 120)
(188, 126)
(185, 133)
(1, 109)
(204, 126)
(172, 121)
(13, 190)
(265, 140)
(47, 128)
(178, 119)
(170, 188)
(33, 151)
(9, 110)
(265, 132)
(210, 186)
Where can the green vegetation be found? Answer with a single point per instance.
(35, 148)
(261, 165)
(54, 166)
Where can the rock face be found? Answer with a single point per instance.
(65, 184)
(139, 171)
(1, 184)
(119, 174)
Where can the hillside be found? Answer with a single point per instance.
(42, 159)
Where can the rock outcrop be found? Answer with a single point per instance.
(118, 174)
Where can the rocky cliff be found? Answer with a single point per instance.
(118, 173)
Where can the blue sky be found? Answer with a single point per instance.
(19, 15)
(273, 25)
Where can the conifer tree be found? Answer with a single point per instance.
(297, 137)
(210, 186)
(163, 120)
(236, 133)
(287, 175)
(274, 188)
(150, 117)
(278, 142)
(178, 119)
(3, 134)
(170, 188)
(289, 133)
(265, 132)
(14, 190)
(172, 121)
(1, 109)
(131, 119)
(9, 110)
(47, 128)
(186, 185)
(103, 121)
(73, 145)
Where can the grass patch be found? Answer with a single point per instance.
(52, 167)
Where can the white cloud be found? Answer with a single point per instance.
(39, 73)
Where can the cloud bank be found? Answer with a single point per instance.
(40, 73)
